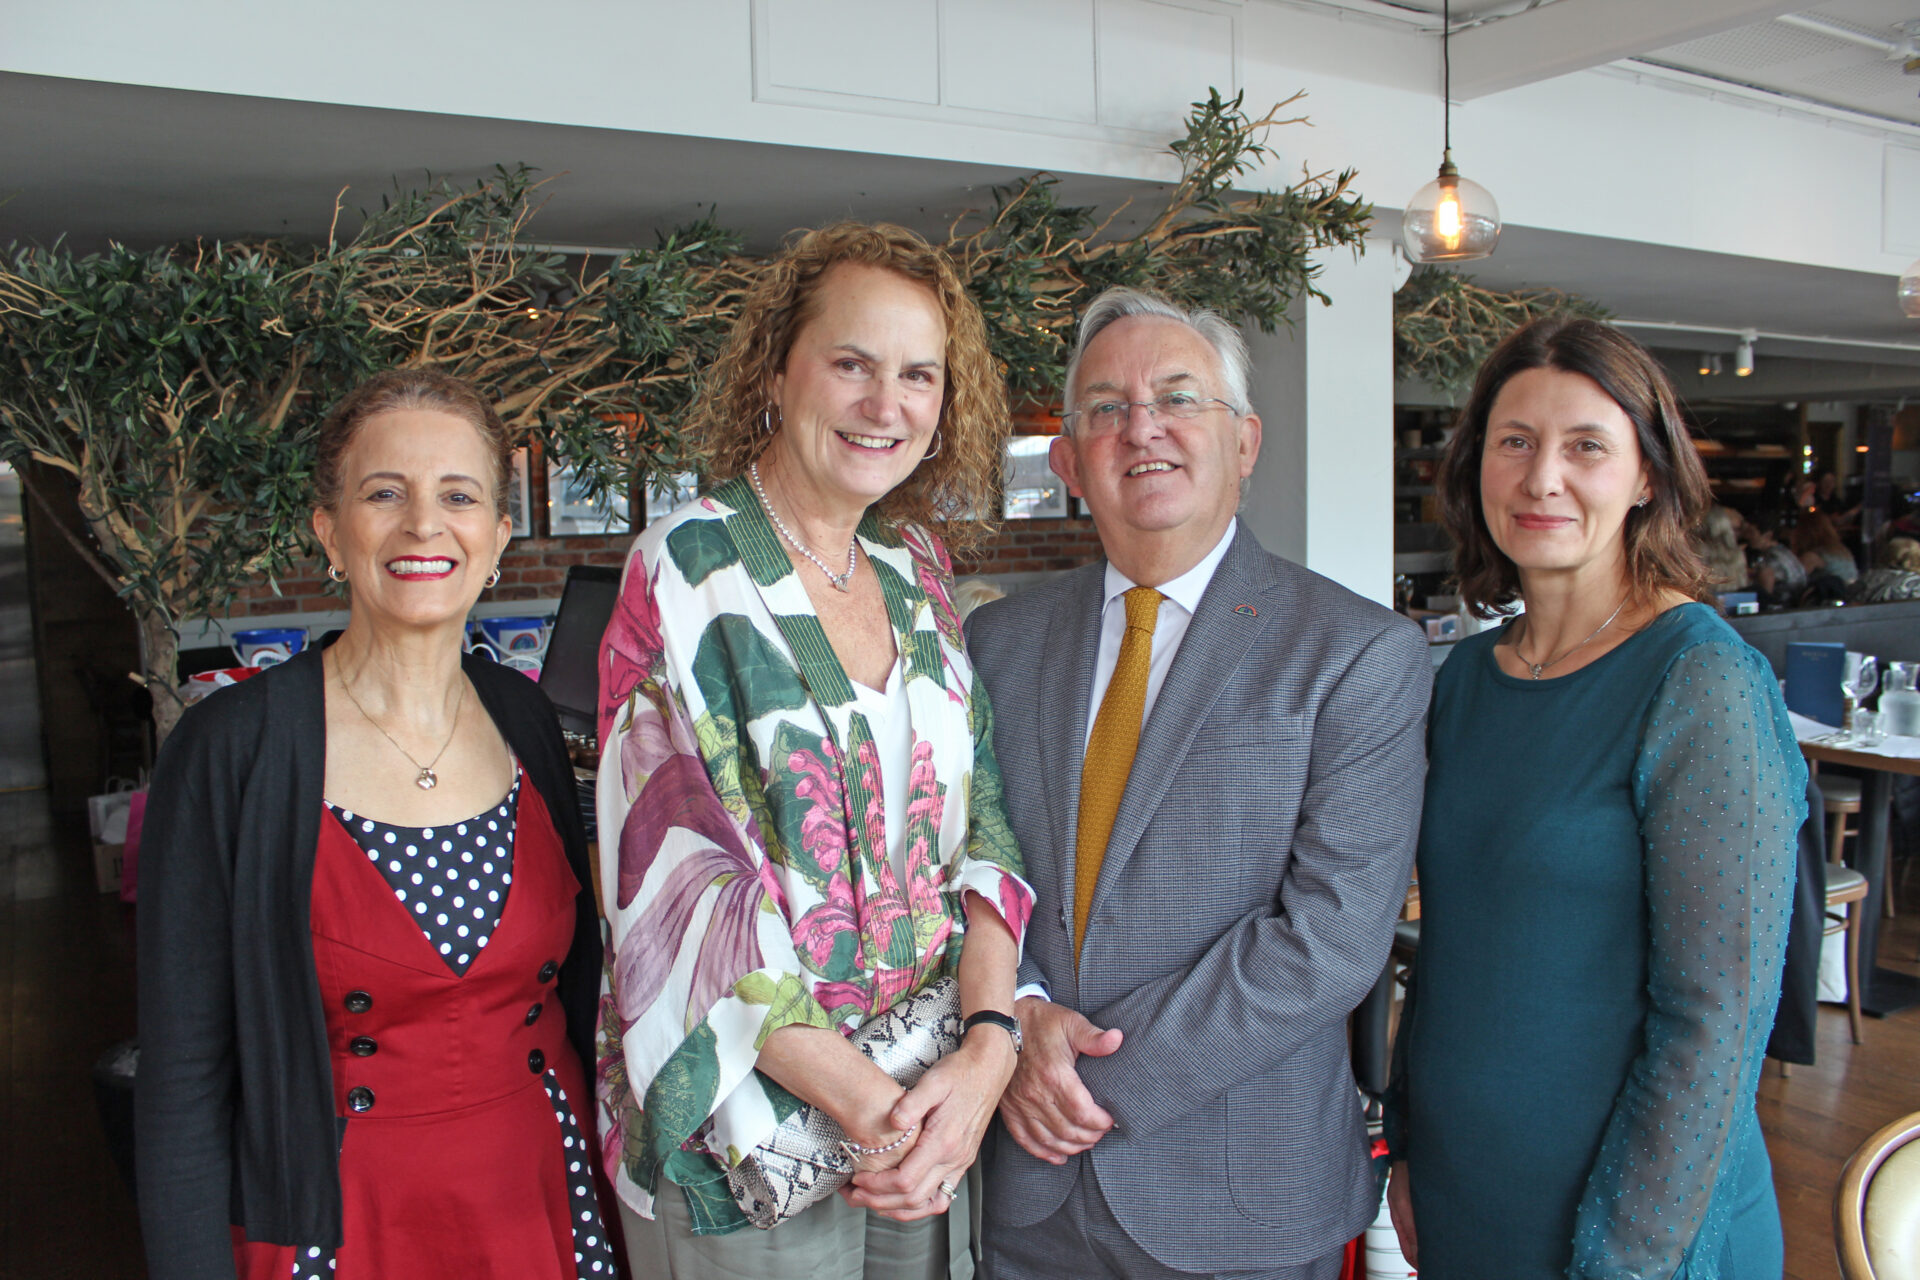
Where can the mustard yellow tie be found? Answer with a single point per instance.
(1110, 751)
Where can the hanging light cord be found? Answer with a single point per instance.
(1446, 75)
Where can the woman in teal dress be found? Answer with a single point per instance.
(1606, 860)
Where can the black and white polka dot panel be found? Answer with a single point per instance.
(453, 879)
(592, 1251)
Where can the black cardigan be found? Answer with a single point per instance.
(234, 1117)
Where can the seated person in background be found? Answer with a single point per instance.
(1896, 578)
(1832, 503)
(1818, 545)
(1777, 571)
(1718, 541)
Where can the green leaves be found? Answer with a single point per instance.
(181, 387)
(741, 675)
(1445, 325)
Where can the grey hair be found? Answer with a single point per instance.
(1121, 303)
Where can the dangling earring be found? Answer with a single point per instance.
(766, 420)
(935, 451)
(336, 573)
(493, 577)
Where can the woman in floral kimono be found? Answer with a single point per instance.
(800, 812)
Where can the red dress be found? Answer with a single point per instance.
(464, 1152)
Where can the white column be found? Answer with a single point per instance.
(1322, 492)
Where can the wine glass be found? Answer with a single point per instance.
(1862, 679)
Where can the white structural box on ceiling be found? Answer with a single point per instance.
(1124, 71)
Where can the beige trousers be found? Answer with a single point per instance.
(830, 1241)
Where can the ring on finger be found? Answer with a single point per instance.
(947, 1189)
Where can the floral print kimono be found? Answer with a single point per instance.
(742, 836)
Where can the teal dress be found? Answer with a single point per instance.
(1606, 871)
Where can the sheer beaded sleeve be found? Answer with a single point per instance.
(1719, 787)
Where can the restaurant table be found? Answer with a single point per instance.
(1882, 991)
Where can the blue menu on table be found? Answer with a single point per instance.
(1815, 671)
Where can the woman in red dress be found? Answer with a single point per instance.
(369, 954)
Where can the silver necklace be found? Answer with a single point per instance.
(841, 581)
(1537, 667)
(427, 780)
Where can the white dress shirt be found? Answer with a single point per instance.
(1180, 598)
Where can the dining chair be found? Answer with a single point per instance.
(1876, 1208)
(1845, 889)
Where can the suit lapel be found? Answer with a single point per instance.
(1217, 639)
(1074, 633)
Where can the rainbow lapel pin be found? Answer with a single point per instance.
(1247, 610)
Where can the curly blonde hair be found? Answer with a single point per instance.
(954, 491)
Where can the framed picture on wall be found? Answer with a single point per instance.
(662, 502)
(520, 494)
(1033, 491)
(571, 511)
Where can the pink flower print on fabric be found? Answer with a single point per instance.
(823, 832)
(678, 796)
(633, 646)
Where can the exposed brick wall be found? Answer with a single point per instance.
(532, 569)
(536, 568)
(1029, 546)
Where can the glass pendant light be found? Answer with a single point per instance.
(1910, 290)
(1451, 219)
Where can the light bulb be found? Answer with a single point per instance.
(1451, 219)
(1446, 214)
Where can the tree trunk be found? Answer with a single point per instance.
(159, 660)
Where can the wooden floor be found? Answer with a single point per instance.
(66, 995)
(1815, 1118)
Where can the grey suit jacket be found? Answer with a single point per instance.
(1244, 907)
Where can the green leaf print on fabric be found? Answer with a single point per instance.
(784, 1104)
(681, 1096)
(989, 836)
(701, 548)
(788, 1002)
(804, 773)
(719, 741)
(734, 658)
(901, 597)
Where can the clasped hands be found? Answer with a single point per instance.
(942, 1119)
(1046, 1108)
(1038, 1092)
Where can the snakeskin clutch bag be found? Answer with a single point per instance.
(802, 1162)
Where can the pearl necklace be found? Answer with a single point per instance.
(841, 581)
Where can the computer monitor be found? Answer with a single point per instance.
(570, 676)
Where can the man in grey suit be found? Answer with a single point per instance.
(1216, 784)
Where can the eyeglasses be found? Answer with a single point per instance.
(1111, 415)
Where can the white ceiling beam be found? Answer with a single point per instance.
(1572, 35)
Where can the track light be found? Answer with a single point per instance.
(1709, 364)
(1743, 355)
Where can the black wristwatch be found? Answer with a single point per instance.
(995, 1018)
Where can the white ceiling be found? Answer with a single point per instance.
(1809, 56)
(1847, 54)
(94, 162)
